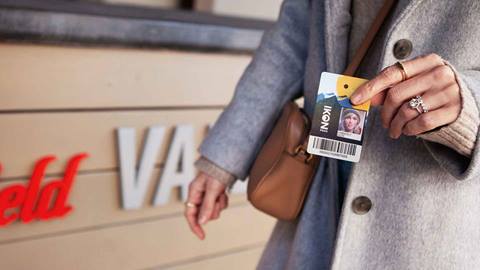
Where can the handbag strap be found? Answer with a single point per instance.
(367, 40)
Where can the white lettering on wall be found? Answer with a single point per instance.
(239, 187)
(178, 170)
(134, 182)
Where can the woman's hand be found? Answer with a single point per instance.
(428, 77)
(209, 198)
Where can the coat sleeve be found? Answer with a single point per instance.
(274, 76)
(456, 146)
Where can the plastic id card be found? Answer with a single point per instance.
(337, 125)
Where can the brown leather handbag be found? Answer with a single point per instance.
(283, 170)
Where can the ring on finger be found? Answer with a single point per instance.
(190, 205)
(418, 104)
(402, 70)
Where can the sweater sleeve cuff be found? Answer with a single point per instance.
(461, 134)
(215, 171)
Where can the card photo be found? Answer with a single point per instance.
(351, 123)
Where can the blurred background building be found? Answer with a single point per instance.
(125, 81)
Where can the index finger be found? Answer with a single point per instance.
(392, 75)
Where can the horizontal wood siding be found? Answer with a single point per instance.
(28, 136)
(50, 77)
(66, 100)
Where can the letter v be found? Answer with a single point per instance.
(134, 183)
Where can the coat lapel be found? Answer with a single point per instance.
(337, 25)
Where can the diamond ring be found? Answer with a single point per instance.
(418, 104)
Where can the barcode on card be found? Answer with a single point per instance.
(334, 146)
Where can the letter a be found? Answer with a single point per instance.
(180, 153)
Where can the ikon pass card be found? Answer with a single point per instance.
(337, 125)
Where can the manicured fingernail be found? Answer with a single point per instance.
(356, 98)
(203, 220)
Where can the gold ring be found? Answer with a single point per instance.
(402, 70)
(190, 204)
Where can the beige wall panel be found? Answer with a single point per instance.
(53, 77)
(243, 260)
(136, 246)
(97, 203)
(27, 137)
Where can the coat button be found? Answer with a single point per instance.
(361, 205)
(402, 48)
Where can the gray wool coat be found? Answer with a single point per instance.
(425, 196)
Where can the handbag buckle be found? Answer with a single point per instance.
(303, 151)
